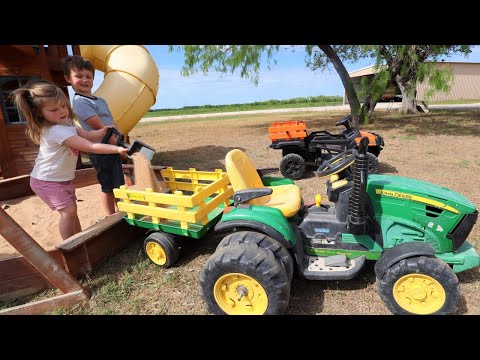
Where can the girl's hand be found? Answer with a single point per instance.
(122, 151)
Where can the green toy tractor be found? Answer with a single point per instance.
(415, 231)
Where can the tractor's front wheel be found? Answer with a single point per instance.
(244, 279)
(420, 286)
(264, 241)
(161, 248)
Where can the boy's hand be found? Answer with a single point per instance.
(98, 135)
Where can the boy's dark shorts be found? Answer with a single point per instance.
(109, 170)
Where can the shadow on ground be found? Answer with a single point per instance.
(461, 123)
(307, 296)
(210, 156)
(386, 168)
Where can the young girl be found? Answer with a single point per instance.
(49, 117)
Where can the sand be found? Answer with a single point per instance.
(41, 223)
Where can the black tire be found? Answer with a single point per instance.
(161, 248)
(373, 164)
(424, 269)
(254, 265)
(375, 150)
(264, 241)
(292, 166)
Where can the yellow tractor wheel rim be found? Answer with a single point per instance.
(156, 253)
(239, 294)
(419, 294)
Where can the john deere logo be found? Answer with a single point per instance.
(420, 199)
(138, 197)
(394, 194)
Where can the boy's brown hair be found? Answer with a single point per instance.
(77, 62)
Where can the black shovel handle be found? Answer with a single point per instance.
(109, 134)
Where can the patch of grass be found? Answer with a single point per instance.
(408, 137)
(172, 277)
(312, 101)
(447, 102)
(117, 291)
(464, 163)
(432, 152)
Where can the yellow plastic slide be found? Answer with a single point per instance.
(130, 82)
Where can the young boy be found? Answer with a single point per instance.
(93, 113)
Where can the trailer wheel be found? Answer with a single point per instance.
(420, 286)
(292, 166)
(161, 248)
(244, 279)
(264, 241)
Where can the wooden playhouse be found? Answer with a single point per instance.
(38, 269)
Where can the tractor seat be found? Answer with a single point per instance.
(243, 175)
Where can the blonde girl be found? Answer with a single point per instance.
(49, 117)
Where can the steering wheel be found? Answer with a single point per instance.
(337, 163)
(343, 121)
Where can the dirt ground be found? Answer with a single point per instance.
(439, 147)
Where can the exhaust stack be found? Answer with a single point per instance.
(356, 206)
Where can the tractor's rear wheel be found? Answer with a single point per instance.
(244, 279)
(161, 248)
(264, 241)
(420, 286)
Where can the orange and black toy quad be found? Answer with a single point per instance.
(300, 149)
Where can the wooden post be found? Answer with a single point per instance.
(37, 256)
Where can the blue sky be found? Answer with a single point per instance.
(289, 78)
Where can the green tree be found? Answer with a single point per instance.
(408, 65)
(404, 65)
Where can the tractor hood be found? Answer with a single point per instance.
(418, 191)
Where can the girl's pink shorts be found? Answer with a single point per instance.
(56, 194)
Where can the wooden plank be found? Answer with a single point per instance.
(85, 177)
(36, 255)
(17, 130)
(154, 167)
(15, 187)
(18, 159)
(44, 306)
(19, 186)
(24, 286)
(82, 255)
(94, 230)
(23, 143)
(17, 266)
(22, 147)
(43, 64)
(8, 169)
(24, 170)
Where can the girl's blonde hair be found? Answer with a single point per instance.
(31, 98)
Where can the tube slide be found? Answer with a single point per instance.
(130, 82)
